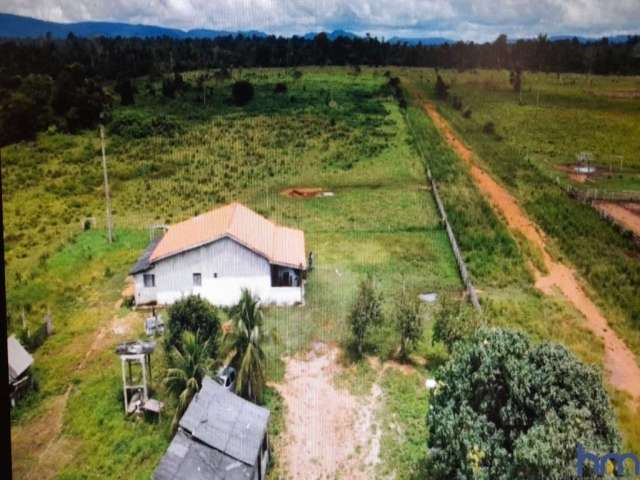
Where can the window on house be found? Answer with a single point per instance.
(215, 275)
(197, 279)
(149, 280)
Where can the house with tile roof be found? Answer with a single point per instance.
(219, 253)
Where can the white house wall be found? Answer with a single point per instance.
(236, 268)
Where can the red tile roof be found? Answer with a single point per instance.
(279, 245)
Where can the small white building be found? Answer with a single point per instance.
(219, 253)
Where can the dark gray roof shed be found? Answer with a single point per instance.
(220, 437)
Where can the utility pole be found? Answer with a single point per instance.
(106, 185)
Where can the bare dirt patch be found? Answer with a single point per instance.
(620, 364)
(305, 192)
(38, 439)
(627, 214)
(330, 432)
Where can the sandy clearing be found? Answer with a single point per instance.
(627, 214)
(620, 365)
(330, 432)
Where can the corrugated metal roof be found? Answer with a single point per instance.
(226, 422)
(220, 436)
(188, 459)
(279, 245)
(19, 359)
(144, 262)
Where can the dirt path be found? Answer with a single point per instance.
(330, 432)
(620, 364)
(39, 449)
(627, 214)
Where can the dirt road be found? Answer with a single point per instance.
(627, 214)
(330, 432)
(620, 364)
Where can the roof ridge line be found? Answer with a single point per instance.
(234, 209)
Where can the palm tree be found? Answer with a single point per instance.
(189, 365)
(243, 346)
(248, 309)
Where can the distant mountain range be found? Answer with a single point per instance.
(612, 39)
(421, 41)
(16, 26)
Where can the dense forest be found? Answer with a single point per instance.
(46, 82)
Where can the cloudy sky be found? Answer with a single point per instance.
(458, 19)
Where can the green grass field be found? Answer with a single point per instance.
(332, 129)
(556, 118)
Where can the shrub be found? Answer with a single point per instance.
(454, 321)
(129, 301)
(489, 128)
(408, 322)
(467, 112)
(441, 88)
(168, 88)
(366, 312)
(280, 87)
(515, 79)
(242, 92)
(131, 125)
(193, 314)
(500, 401)
(137, 125)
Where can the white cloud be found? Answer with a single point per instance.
(466, 19)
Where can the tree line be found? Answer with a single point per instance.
(110, 58)
(46, 82)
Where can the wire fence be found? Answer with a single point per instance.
(462, 266)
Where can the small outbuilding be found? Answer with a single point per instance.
(218, 254)
(221, 436)
(20, 362)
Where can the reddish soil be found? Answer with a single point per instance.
(620, 364)
(330, 432)
(578, 177)
(302, 192)
(626, 214)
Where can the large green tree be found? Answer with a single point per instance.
(243, 346)
(193, 314)
(509, 409)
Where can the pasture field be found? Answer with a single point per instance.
(603, 257)
(529, 138)
(169, 160)
(556, 118)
